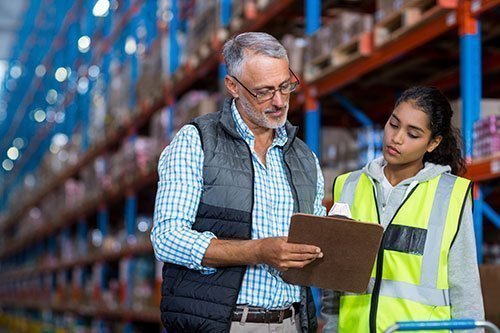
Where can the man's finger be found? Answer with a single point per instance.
(303, 248)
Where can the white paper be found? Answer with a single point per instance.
(340, 208)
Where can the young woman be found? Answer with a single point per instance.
(426, 268)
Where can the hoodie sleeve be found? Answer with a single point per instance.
(463, 274)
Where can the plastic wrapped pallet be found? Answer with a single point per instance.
(295, 47)
(149, 87)
(120, 110)
(202, 27)
(193, 104)
(487, 137)
(385, 8)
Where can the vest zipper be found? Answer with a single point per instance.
(380, 266)
(249, 229)
(292, 185)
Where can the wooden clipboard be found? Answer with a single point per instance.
(349, 250)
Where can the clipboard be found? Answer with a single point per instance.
(349, 250)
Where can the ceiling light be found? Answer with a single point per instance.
(40, 70)
(18, 143)
(16, 71)
(61, 74)
(101, 8)
(39, 115)
(13, 153)
(7, 165)
(130, 45)
(84, 44)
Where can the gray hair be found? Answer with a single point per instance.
(248, 43)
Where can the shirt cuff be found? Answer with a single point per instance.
(198, 252)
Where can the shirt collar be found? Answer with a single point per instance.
(280, 135)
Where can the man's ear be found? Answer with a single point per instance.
(231, 86)
(434, 143)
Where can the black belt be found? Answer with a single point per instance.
(261, 315)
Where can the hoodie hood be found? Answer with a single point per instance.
(374, 170)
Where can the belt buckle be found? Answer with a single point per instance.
(281, 316)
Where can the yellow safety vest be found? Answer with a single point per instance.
(410, 276)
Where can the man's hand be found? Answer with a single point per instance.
(278, 253)
(272, 251)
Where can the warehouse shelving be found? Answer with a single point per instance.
(119, 192)
(441, 21)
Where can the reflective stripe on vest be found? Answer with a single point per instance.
(416, 243)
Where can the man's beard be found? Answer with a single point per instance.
(262, 119)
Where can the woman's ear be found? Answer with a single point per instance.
(434, 143)
(231, 86)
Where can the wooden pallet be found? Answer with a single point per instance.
(410, 15)
(247, 12)
(316, 67)
(361, 46)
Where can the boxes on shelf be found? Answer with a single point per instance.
(486, 137)
(339, 154)
(30, 222)
(202, 28)
(344, 150)
(119, 97)
(384, 8)
(195, 103)
(139, 155)
(161, 128)
(489, 107)
(296, 48)
(99, 116)
(339, 148)
(52, 206)
(74, 193)
(370, 144)
(143, 284)
(242, 10)
(341, 39)
(149, 87)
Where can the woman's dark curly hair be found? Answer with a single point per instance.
(437, 107)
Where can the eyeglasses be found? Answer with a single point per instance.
(264, 95)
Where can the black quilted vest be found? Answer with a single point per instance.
(191, 301)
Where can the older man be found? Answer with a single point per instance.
(228, 184)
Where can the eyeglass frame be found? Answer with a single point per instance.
(273, 90)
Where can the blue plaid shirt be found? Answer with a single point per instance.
(180, 188)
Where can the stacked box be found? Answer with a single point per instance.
(74, 193)
(486, 137)
(321, 43)
(202, 26)
(160, 128)
(344, 27)
(143, 282)
(195, 103)
(99, 116)
(149, 86)
(384, 8)
(295, 47)
(119, 97)
(139, 155)
(370, 144)
(352, 24)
